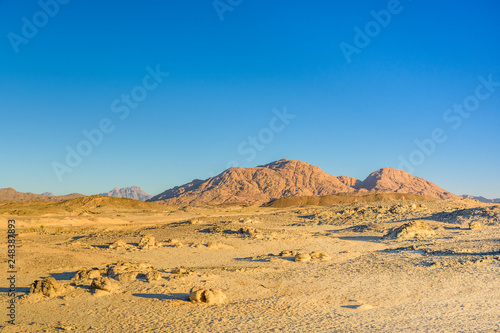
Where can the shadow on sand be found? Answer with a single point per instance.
(174, 296)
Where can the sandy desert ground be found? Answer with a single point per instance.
(445, 278)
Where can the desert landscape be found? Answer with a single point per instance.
(250, 166)
(391, 253)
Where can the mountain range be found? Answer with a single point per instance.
(280, 179)
(287, 178)
(479, 198)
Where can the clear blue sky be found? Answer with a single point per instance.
(227, 76)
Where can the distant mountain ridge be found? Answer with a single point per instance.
(287, 178)
(10, 194)
(81, 206)
(480, 198)
(132, 192)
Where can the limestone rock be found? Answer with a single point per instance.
(104, 283)
(319, 255)
(118, 244)
(248, 231)
(48, 287)
(85, 274)
(302, 257)
(153, 276)
(414, 229)
(288, 253)
(148, 242)
(209, 296)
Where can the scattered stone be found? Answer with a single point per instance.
(319, 255)
(86, 274)
(249, 221)
(48, 287)
(195, 221)
(179, 270)
(214, 245)
(414, 229)
(120, 268)
(153, 276)
(486, 215)
(364, 307)
(302, 257)
(213, 230)
(475, 225)
(127, 276)
(172, 241)
(248, 231)
(288, 253)
(209, 296)
(398, 209)
(118, 244)
(148, 242)
(103, 283)
(218, 246)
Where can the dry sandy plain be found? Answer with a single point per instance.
(445, 279)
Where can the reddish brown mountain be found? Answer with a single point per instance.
(399, 181)
(286, 178)
(351, 182)
(275, 180)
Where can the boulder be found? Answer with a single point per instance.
(47, 287)
(148, 242)
(302, 257)
(118, 244)
(103, 283)
(208, 296)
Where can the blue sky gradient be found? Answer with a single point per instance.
(227, 76)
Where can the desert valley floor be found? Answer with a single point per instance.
(350, 267)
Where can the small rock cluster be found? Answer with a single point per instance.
(147, 242)
(248, 231)
(472, 217)
(306, 257)
(105, 279)
(412, 230)
(130, 271)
